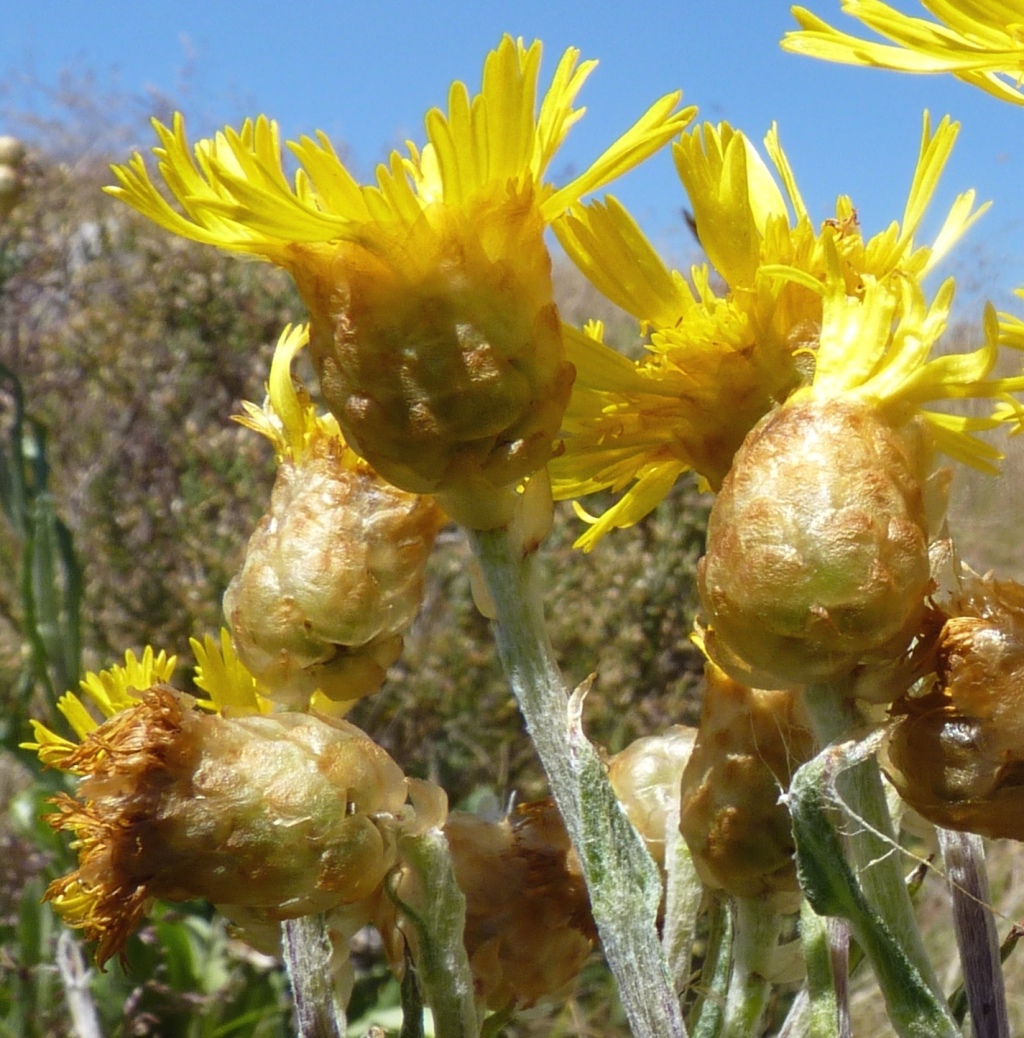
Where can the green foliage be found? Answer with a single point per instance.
(48, 577)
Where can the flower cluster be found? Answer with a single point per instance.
(440, 355)
(794, 374)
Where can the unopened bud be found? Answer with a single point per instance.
(12, 154)
(817, 550)
(645, 777)
(749, 743)
(12, 151)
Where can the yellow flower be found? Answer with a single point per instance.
(283, 814)
(817, 563)
(978, 41)
(716, 364)
(433, 327)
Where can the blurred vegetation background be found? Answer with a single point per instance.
(124, 354)
(128, 497)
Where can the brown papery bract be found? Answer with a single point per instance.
(957, 753)
(749, 743)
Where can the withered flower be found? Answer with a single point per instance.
(285, 813)
(957, 753)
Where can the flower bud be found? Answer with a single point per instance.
(645, 777)
(749, 743)
(333, 574)
(956, 753)
(332, 577)
(528, 925)
(817, 545)
(287, 813)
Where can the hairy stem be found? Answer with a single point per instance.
(872, 838)
(307, 956)
(755, 944)
(623, 882)
(439, 918)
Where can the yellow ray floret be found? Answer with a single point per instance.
(715, 364)
(979, 41)
(109, 692)
(234, 192)
(288, 418)
(879, 349)
(232, 692)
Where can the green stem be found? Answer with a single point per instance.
(441, 962)
(822, 1013)
(306, 945)
(623, 882)
(706, 1017)
(755, 943)
(872, 840)
(74, 976)
(832, 889)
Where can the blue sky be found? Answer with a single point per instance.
(366, 72)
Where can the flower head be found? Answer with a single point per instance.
(433, 326)
(716, 364)
(333, 574)
(817, 560)
(980, 41)
(282, 813)
(956, 750)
